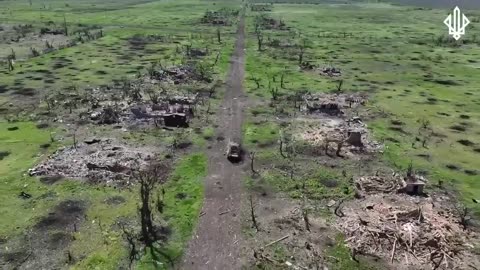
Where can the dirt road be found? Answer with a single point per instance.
(216, 241)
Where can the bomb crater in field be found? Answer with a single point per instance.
(45, 244)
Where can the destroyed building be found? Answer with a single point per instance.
(175, 120)
(331, 104)
(413, 185)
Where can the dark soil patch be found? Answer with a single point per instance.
(184, 145)
(390, 139)
(3, 89)
(471, 172)
(43, 71)
(398, 129)
(431, 100)
(452, 167)
(58, 240)
(101, 72)
(65, 214)
(45, 245)
(60, 64)
(466, 142)
(396, 122)
(115, 200)
(50, 180)
(458, 128)
(14, 257)
(4, 154)
(331, 183)
(48, 195)
(464, 116)
(425, 156)
(181, 195)
(42, 125)
(446, 82)
(25, 92)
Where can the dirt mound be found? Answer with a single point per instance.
(102, 162)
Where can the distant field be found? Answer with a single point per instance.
(474, 4)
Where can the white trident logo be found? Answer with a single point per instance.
(456, 23)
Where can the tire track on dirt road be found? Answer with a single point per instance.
(216, 243)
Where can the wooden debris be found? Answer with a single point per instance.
(276, 241)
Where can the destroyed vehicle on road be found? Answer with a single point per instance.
(234, 152)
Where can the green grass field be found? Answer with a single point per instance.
(399, 55)
(414, 77)
(392, 53)
(99, 242)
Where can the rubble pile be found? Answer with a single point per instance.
(411, 231)
(376, 184)
(220, 17)
(261, 7)
(331, 72)
(176, 74)
(99, 161)
(271, 23)
(352, 133)
(178, 107)
(332, 104)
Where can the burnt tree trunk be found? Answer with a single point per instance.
(252, 160)
(252, 213)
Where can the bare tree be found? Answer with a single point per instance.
(305, 218)
(219, 38)
(281, 148)
(252, 160)
(217, 58)
(259, 40)
(252, 213)
(34, 52)
(48, 45)
(10, 64)
(50, 101)
(301, 52)
(410, 171)
(65, 27)
(75, 139)
(12, 55)
(464, 215)
(257, 81)
(149, 179)
(338, 209)
(130, 237)
(153, 95)
(339, 86)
